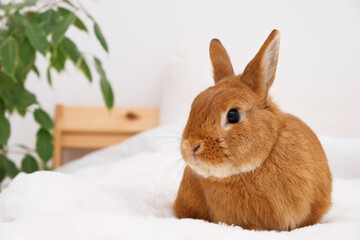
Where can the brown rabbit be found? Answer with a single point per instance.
(249, 163)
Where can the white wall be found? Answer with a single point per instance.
(318, 74)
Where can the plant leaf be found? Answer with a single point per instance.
(100, 37)
(44, 145)
(2, 173)
(99, 67)
(25, 61)
(107, 92)
(4, 130)
(36, 36)
(21, 111)
(48, 74)
(26, 53)
(80, 25)
(83, 66)
(42, 118)
(22, 146)
(8, 53)
(36, 70)
(104, 84)
(77, 22)
(49, 18)
(58, 59)
(14, 94)
(9, 166)
(29, 164)
(61, 27)
(63, 11)
(70, 49)
(16, 22)
(10, 97)
(26, 99)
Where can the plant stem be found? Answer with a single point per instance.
(14, 21)
(48, 5)
(5, 152)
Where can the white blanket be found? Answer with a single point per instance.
(126, 192)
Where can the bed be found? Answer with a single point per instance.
(126, 192)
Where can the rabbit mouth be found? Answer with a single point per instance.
(221, 170)
(206, 170)
(198, 161)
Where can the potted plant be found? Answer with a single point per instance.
(29, 29)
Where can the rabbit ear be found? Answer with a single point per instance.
(220, 61)
(259, 74)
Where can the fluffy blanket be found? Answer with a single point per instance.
(126, 192)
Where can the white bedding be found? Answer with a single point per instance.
(126, 192)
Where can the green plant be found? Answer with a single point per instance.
(29, 29)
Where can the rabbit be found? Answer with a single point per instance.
(248, 163)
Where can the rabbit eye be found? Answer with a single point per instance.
(233, 116)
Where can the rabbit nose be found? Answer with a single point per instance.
(194, 145)
(195, 149)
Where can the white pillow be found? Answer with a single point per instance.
(187, 76)
(329, 109)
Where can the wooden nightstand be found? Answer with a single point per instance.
(97, 127)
